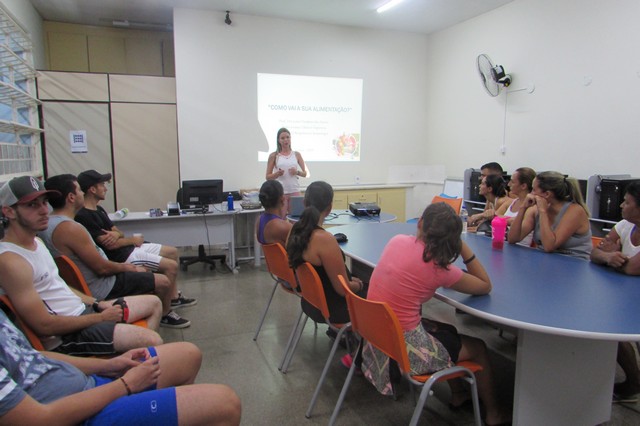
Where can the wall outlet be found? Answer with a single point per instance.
(357, 179)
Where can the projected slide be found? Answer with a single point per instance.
(323, 115)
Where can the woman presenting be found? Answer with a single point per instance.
(286, 166)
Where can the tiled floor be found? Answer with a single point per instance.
(224, 321)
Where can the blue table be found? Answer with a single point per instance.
(345, 217)
(569, 313)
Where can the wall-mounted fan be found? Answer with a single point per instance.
(493, 76)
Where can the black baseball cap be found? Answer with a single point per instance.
(88, 178)
(22, 190)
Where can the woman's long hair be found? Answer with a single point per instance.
(282, 130)
(317, 198)
(497, 185)
(441, 228)
(562, 187)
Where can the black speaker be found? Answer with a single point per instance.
(611, 196)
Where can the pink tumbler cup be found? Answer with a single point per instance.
(498, 231)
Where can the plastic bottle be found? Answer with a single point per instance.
(464, 215)
(230, 202)
(498, 231)
(121, 213)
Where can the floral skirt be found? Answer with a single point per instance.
(426, 354)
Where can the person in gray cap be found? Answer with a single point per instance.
(28, 275)
(120, 248)
(106, 279)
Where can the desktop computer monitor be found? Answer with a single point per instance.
(197, 193)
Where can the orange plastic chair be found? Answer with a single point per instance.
(376, 323)
(22, 325)
(278, 266)
(313, 292)
(455, 203)
(70, 273)
(595, 241)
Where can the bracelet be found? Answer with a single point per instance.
(126, 387)
(469, 260)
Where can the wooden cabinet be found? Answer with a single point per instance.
(393, 201)
(390, 200)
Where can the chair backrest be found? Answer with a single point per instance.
(312, 290)
(378, 324)
(70, 273)
(595, 241)
(26, 330)
(455, 203)
(278, 263)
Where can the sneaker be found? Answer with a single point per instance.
(347, 360)
(182, 301)
(173, 320)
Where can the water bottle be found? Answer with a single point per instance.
(121, 213)
(230, 202)
(464, 216)
(498, 232)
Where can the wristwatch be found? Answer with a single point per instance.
(96, 307)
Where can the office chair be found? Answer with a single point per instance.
(7, 306)
(72, 275)
(313, 292)
(283, 276)
(377, 324)
(202, 256)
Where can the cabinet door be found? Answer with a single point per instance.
(340, 200)
(145, 150)
(393, 201)
(59, 118)
(364, 196)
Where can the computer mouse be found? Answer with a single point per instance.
(340, 237)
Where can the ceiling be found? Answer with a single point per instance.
(420, 16)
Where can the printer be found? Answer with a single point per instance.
(364, 209)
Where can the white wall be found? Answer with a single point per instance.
(216, 67)
(31, 21)
(563, 125)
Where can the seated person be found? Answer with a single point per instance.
(491, 168)
(620, 249)
(493, 189)
(557, 215)
(520, 185)
(309, 242)
(409, 272)
(149, 386)
(66, 322)
(117, 247)
(271, 228)
(106, 279)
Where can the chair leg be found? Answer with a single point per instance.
(327, 364)
(264, 314)
(294, 345)
(343, 393)
(291, 337)
(426, 390)
(474, 397)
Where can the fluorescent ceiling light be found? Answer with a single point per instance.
(388, 5)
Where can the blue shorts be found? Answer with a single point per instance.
(151, 407)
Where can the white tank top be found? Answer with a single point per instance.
(289, 183)
(59, 300)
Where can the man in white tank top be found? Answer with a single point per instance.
(29, 276)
